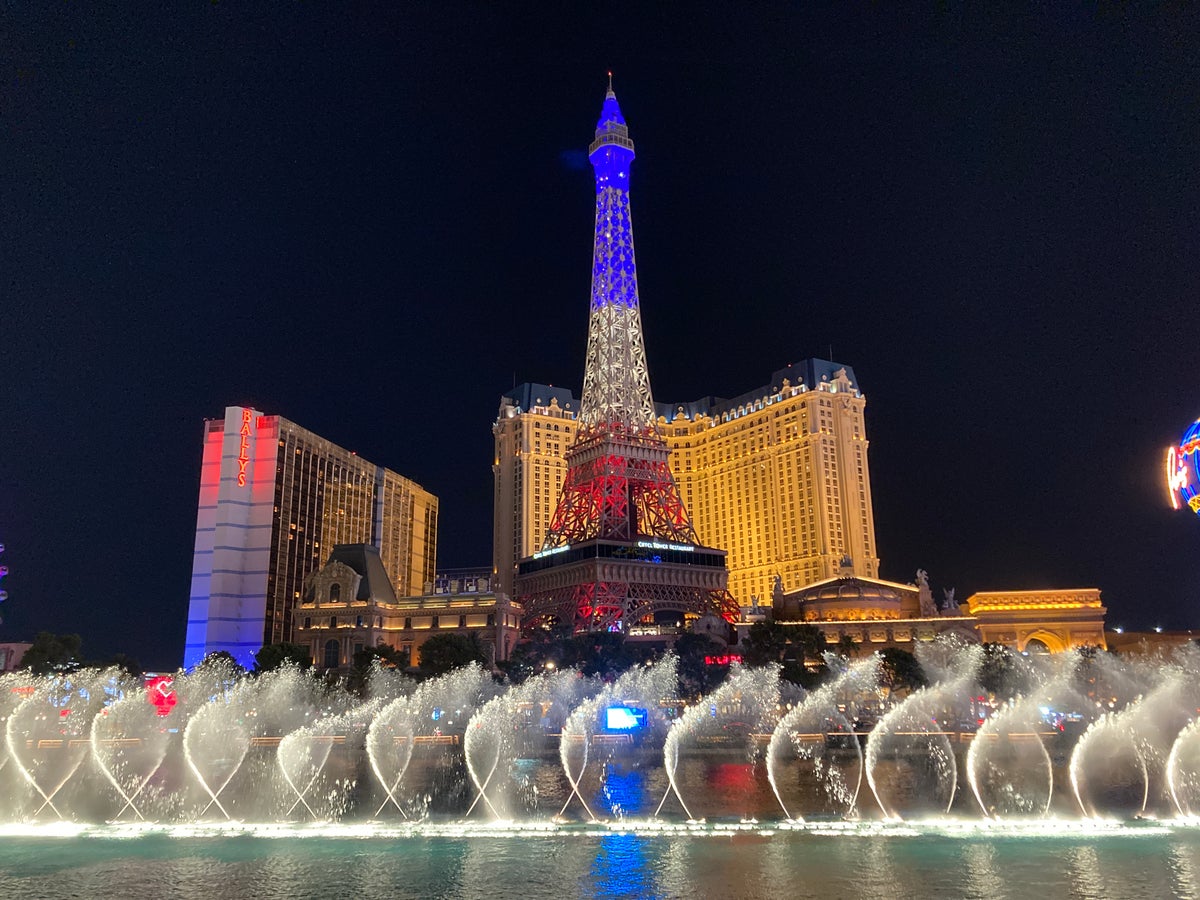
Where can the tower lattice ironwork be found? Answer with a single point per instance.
(621, 546)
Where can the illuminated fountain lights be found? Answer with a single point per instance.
(1094, 742)
(1183, 470)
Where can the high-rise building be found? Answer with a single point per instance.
(620, 546)
(777, 476)
(274, 500)
(535, 428)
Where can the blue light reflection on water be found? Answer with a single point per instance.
(595, 862)
(625, 793)
(621, 868)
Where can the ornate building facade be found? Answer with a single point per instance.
(274, 500)
(1048, 621)
(349, 604)
(877, 613)
(778, 476)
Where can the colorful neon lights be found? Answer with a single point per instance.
(244, 448)
(160, 693)
(725, 659)
(1183, 470)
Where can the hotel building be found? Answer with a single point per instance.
(778, 476)
(877, 614)
(274, 500)
(349, 604)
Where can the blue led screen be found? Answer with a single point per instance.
(624, 718)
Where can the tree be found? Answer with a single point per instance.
(220, 660)
(771, 642)
(810, 643)
(367, 658)
(272, 656)
(603, 653)
(443, 653)
(52, 653)
(125, 663)
(696, 676)
(1003, 673)
(900, 671)
(847, 646)
(765, 643)
(795, 672)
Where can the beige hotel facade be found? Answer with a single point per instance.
(777, 477)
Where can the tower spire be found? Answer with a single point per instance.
(620, 513)
(616, 384)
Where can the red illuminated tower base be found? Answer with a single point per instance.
(621, 547)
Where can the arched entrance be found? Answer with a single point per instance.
(1041, 642)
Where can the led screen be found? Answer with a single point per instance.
(624, 718)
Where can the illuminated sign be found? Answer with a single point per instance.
(663, 545)
(160, 693)
(726, 659)
(624, 718)
(1183, 470)
(244, 448)
(563, 549)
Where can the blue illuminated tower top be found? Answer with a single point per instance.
(616, 387)
(612, 150)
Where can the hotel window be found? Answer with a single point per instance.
(335, 593)
(331, 654)
(333, 621)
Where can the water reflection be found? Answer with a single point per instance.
(622, 867)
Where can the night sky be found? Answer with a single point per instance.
(372, 221)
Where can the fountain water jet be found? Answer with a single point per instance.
(643, 687)
(434, 715)
(805, 729)
(1122, 763)
(129, 743)
(1008, 767)
(514, 725)
(911, 739)
(48, 735)
(747, 703)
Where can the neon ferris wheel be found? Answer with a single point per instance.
(1183, 470)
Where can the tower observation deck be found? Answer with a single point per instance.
(621, 547)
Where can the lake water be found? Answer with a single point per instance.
(1056, 859)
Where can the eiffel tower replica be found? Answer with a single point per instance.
(621, 546)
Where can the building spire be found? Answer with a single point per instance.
(616, 386)
(620, 513)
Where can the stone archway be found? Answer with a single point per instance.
(1042, 641)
